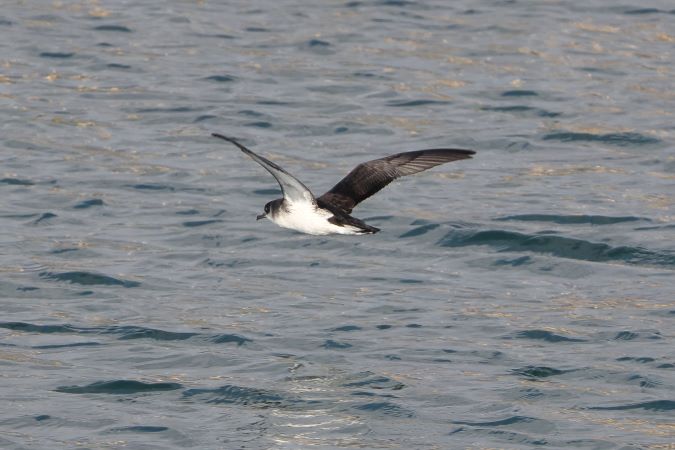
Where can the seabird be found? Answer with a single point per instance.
(330, 214)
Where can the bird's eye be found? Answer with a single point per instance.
(267, 208)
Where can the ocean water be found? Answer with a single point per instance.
(521, 299)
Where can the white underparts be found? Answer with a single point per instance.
(308, 218)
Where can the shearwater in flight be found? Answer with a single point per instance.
(330, 214)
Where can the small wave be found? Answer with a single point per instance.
(59, 55)
(522, 109)
(16, 182)
(656, 227)
(33, 267)
(177, 109)
(655, 405)
(538, 371)
(138, 429)
(641, 359)
(347, 328)
(507, 436)
(126, 332)
(221, 78)
(27, 288)
(385, 408)
(88, 279)
(368, 379)
(259, 124)
(515, 262)
(545, 335)
(317, 46)
(227, 338)
(559, 246)
(642, 11)
(118, 66)
(573, 220)
(230, 394)
(130, 332)
(118, 387)
(75, 344)
(89, 203)
(401, 3)
(152, 187)
(643, 381)
(30, 328)
(619, 139)
(409, 103)
(330, 344)
(519, 93)
(498, 423)
(188, 212)
(117, 28)
(516, 422)
(133, 332)
(370, 75)
(204, 117)
(163, 187)
(627, 335)
(44, 218)
(424, 229)
(251, 113)
(199, 223)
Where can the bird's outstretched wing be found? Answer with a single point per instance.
(368, 178)
(292, 188)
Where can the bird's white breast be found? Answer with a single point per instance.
(308, 218)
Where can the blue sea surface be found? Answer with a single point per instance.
(523, 299)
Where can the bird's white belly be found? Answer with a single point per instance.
(306, 218)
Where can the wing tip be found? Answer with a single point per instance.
(459, 153)
(462, 151)
(218, 135)
(468, 153)
(232, 141)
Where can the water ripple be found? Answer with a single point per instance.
(126, 332)
(573, 220)
(538, 371)
(516, 422)
(138, 429)
(545, 335)
(118, 387)
(16, 182)
(655, 405)
(115, 28)
(618, 139)
(559, 246)
(88, 279)
(246, 396)
(385, 408)
(89, 203)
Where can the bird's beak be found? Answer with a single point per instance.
(261, 216)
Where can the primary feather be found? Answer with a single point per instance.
(370, 177)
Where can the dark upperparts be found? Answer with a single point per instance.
(370, 177)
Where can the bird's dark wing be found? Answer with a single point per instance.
(292, 188)
(368, 178)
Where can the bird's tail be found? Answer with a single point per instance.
(367, 229)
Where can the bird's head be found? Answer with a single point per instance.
(270, 209)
